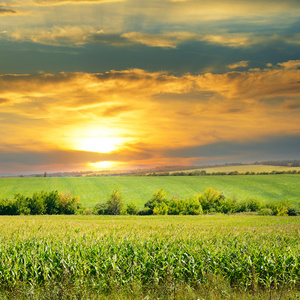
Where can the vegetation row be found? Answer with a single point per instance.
(211, 201)
(204, 173)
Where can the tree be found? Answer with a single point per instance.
(114, 203)
(158, 197)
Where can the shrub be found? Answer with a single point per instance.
(226, 206)
(282, 208)
(158, 197)
(100, 208)
(114, 203)
(193, 207)
(51, 201)
(292, 211)
(21, 204)
(37, 204)
(160, 209)
(210, 199)
(176, 206)
(132, 209)
(146, 211)
(265, 212)
(249, 205)
(8, 207)
(68, 203)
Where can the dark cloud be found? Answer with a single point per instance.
(69, 157)
(3, 100)
(281, 147)
(112, 39)
(116, 110)
(4, 11)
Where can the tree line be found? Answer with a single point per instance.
(209, 202)
(204, 173)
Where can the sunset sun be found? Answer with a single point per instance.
(99, 144)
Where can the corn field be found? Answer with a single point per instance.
(106, 253)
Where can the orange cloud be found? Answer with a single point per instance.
(142, 111)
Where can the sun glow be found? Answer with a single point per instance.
(99, 144)
(102, 164)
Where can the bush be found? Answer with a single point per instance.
(8, 207)
(226, 206)
(132, 209)
(51, 201)
(265, 212)
(176, 206)
(160, 209)
(100, 208)
(292, 211)
(249, 205)
(158, 197)
(40, 203)
(37, 204)
(114, 203)
(145, 211)
(210, 199)
(282, 208)
(193, 207)
(68, 204)
(21, 204)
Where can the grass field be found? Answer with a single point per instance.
(267, 188)
(249, 168)
(151, 257)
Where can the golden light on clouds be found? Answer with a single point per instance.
(133, 117)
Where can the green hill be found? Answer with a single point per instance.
(266, 188)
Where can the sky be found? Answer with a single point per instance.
(120, 84)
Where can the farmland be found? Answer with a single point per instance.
(247, 168)
(179, 257)
(267, 188)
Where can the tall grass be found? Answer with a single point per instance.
(126, 254)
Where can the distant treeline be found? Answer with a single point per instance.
(210, 202)
(285, 163)
(204, 173)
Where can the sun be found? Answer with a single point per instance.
(99, 144)
(102, 164)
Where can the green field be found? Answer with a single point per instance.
(247, 168)
(151, 257)
(267, 188)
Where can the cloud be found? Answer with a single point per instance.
(144, 113)
(165, 40)
(3, 100)
(278, 147)
(75, 35)
(56, 36)
(281, 80)
(240, 64)
(4, 11)
(61, 2)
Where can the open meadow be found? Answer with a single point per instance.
(166, 257)
(266, 188)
